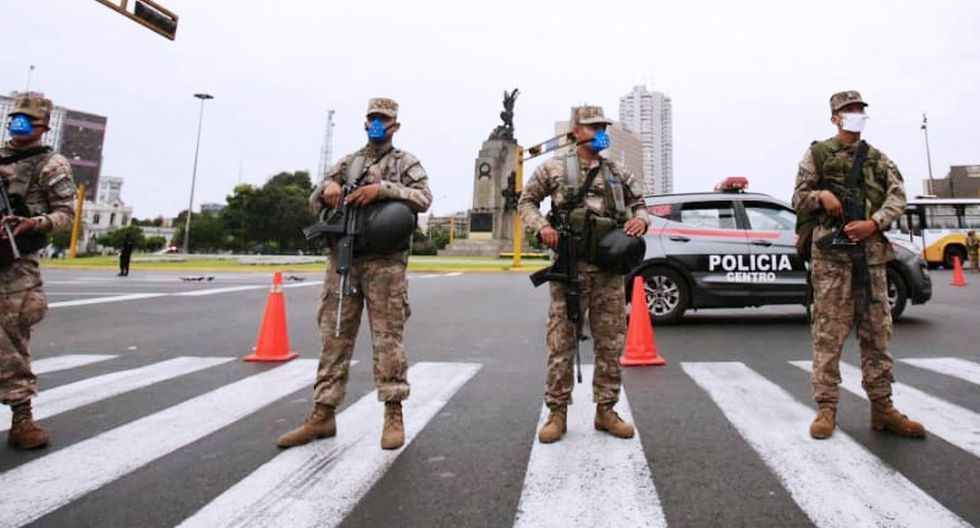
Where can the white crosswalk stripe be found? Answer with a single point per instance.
(956, 425)
(45, 484)
(319, 483)
(837, 482)
(588, 476)
(955, 367)
(81, 393)
(68, 361)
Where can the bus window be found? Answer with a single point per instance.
(941, 217)
(971, 216)
(916, 226)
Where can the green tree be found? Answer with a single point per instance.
(61, 238)
(114, 238)
(153, 243)
(207, 232)
(269, 218)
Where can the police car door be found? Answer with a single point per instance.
(709, 245)
(775, 270)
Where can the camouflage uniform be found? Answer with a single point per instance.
(837, 307)
(377, 280)
(973, 249)
(602, 292)
(44, 183)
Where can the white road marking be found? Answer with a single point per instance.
(836, 481)
(74, 395)
(40, 486)
(68, 361)
(318, 484)
(956, 425)
(100, 300)
(955, 367)
(588, 478)
(212, 291)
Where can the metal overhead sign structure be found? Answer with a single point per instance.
(147, 13)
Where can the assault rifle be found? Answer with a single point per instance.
(340, 222)
(565, 272)
(853, 202)
(7, 210)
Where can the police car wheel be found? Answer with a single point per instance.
(898, 293)
(666, 292)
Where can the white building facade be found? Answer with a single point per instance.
(649, 114)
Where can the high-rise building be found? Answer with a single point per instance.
(626, 147)
(78, 136)
(649, 114)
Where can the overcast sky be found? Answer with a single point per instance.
(750, 82)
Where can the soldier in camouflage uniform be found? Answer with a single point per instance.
(377, 279)
(42, 196)
(838, 303)
(602, 294)
(973, 250)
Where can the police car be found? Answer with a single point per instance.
(731, 248)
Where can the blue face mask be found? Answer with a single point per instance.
(376, 130)
(600, 141)
(20, 125)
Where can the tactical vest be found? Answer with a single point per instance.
(27, 200)
(589, 226)
(832, 171)
(615, 199)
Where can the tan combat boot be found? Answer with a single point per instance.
(823, 425)
(607, 420)
(393, 435)
(24, 433)
(320, 424)
(554, 428)
(884, 416)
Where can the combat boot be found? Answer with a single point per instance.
(884, 416)
(321, 424)
(606, 419)
(393, 435)
(823, 425)
(556, 425)
(24, 433)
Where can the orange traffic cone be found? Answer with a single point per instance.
(641, 348)
(273, 342)
(958, 278)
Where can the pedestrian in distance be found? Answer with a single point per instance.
(366, 270)
(847, 194)
(39, 197)
(124, 255)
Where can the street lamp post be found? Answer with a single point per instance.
(200, 120)
(925, 130)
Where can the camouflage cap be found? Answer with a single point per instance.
(589, 115)
(841, 99)
(383, 106)
(34, 106)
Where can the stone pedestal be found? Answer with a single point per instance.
(496, 162)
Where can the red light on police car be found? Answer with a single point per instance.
(732, 184)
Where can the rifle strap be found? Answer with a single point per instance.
(860, 274)
(854, 178)
(364, 171)
(24, 154)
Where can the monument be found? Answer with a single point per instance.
(494, 197)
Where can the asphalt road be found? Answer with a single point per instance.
(722, 428)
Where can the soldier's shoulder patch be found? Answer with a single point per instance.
(62, 186)
(416, 172)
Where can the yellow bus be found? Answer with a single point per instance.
(937, 227)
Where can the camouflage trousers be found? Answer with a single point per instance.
(974, 257)
(604, 299)
(381, 284)
(22, 304)
(836, 309)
